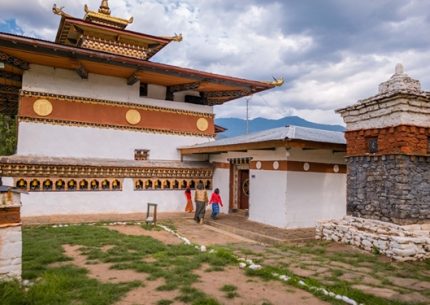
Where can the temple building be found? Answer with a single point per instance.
(288, 177)
(99, 124)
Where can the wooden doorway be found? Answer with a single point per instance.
(243, 189)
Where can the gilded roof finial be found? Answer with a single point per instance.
(177, 37)
(59, 11)
(277, 82)
(104, 7)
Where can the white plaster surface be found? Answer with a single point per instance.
(313, 197)
(89, 142)
(125, 201)
(66, 82)
(10, 252)
(267, 197)
(221, 180)
(385, 113)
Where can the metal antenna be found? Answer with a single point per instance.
(247, 114)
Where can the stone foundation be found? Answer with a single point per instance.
(10, 252)
(401, 243)
(394, 188)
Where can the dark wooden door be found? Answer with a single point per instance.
(243, 189)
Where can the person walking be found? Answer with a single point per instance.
(201, 199)
(215, 201)
(189, 206)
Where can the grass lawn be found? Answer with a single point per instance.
(54, 279)
(67, 284)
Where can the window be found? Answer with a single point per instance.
(143, 90)
(372, 145)
(141, 154)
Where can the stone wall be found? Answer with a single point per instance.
(10, 235)
(10, 252)
(393, 188)
(402, 243)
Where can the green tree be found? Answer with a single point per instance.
(8, 132)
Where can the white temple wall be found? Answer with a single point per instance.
(221, 180)
(91, 142)
(66, 82)
(313, 197)
(78, 203)
(267, 197)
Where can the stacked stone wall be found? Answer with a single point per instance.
(394, 188)
(403, 139)
(402, 243)
(10, 236)
(10, 252)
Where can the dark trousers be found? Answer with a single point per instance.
(200, 211)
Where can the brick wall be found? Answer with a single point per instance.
(403, 139)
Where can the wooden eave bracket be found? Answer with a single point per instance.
(19, 63)
(10, 76)
(82, 72)
(11, 90)
(132, 79)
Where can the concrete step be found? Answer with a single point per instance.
(259, 237)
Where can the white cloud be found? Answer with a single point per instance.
(331, 53)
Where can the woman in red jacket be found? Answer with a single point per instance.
(189, 206)
(216, 202)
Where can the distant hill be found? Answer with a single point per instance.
(237, 127)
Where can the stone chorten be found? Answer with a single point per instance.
(388, 152)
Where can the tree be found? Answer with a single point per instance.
(8, 132)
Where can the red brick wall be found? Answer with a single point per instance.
(402, 139)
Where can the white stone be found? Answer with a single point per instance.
(255, 267)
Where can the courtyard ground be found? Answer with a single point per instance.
(138, 264)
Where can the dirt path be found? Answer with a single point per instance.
(163, 236)
(252, 290)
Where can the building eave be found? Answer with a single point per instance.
(28, 47)
(263, 145)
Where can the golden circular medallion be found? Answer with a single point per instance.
(42, 107)
(133, 117)
(202, 124)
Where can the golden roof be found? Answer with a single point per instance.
(103, 16)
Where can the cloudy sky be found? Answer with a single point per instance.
(330, 52)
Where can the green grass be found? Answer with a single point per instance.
(340, 287)
(65, 285)
(42, 246)
(164, 302)
(230, 290)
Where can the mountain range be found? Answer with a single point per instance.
(237, 127)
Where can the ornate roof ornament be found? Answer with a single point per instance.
(277, 82)
(177, 37)
(400, 81)
(59, 11)
(103, 16)
(104, 8)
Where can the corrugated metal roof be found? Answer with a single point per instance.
(281, 133)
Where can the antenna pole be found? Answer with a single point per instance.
(247, 115)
